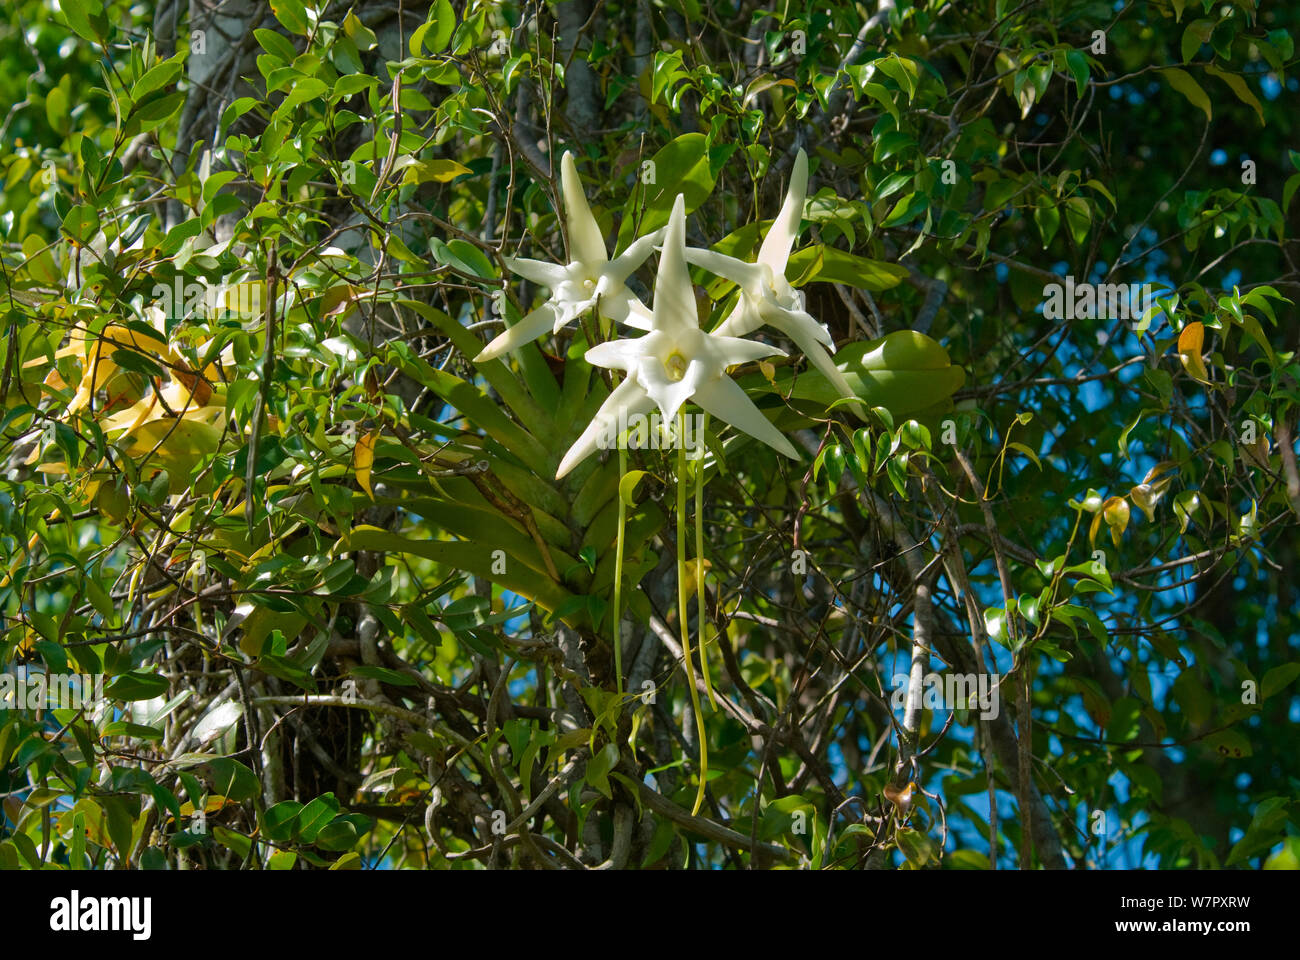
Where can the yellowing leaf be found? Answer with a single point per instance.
(177, 439)
(688, 585)
(123, 338)
(1190, 344)
(1116, 512)
(363, 458)
(438, 171)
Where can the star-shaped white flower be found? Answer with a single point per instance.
(676, 361)
(766, 297)
(590, 279)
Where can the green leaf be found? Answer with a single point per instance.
(304, 90)
(995, 624)
(435, 33)
(1198, 32)
(232, 840)
(282, 860)
(917, 848)
(86, 18)
(824, 264)
(338, 836)
(1230, 744)
(81, 223)
(394, 677)
(599, 766)
(1238, 86)
(157, 109)
(1183, 82)
(681, 167)
(1278, 679)
(470, 557)
(230, 778)
(276, 44)
(969, 860)
(627, 486)
(56, 108)
(291, 14)
(1265, 830)
(1078, 65)
(907, 209)
(161, 75)
(278, 821)
(464, 257)
(314, 816)
(1047, 217)
(892, 184)
(136, 686)
(905, 372)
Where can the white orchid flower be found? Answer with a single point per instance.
(676, 361)
(766, 297)
(590, 279)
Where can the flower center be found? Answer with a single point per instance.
(675, 366)
(589, 283)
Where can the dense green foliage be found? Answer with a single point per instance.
(346, 615)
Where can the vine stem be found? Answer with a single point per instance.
(681, 611)
(618, 569)
(702, 618)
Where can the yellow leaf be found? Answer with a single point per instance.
(363, 458)
(688, 587)
(132, 417)
(1190, 344)
(439, 171)
(54, 381)
(123, 338)
(1116, 512)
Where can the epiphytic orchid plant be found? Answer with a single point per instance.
(673, 362)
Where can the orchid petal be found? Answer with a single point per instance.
(668, 394)
(775, 250)
(820, 359)
(618, 305)
(725, 400)
(790, 321)
(549, 275)
(619, 354)
(752, 277)
(585, 241)
(674, 308)
(526, 330)
(733, 351)
(638, 316)
(621, 267)
(735, 325)
(627, 400)
(566, 311)
(699, 370)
